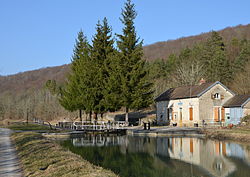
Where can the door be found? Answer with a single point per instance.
(216, 114)
(191, 113)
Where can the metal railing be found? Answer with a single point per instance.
(99, 125)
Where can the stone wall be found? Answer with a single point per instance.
(207, 103)
(184, 105)
(162, 113)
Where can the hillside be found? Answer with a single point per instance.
(32, 79)
(163, 49)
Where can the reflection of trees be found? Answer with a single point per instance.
(130, 164)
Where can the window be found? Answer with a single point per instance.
(170, 113)
(216, 96)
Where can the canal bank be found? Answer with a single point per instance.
(238, 134)
(42, 157)
(167, 131)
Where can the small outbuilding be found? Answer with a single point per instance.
(236, 108)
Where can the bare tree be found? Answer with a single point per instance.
(241, 82)
(189, 73)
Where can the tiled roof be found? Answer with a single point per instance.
(184, 92)
(236, 101)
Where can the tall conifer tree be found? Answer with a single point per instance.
(71, 94)
(243, 57)
(136, 91)
(216, 63)
(101, 49)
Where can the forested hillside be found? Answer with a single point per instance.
(23, 95)
(32, 79)
(223, 56)
(161, 50)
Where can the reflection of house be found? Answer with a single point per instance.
(236, 108)
(207, 154)
(192, 105)
(210, 156)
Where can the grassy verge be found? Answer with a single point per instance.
(28, 127)
(241, 134)
(44, 158)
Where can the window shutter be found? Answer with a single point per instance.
(222, 97)
(216, 114)
(223, 114)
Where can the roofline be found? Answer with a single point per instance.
(245, 102)
(179, 98)
(215, 83)
(183, 98)
(200, 94)
(161, 94)
(233, 106)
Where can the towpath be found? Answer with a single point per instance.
(9, 164)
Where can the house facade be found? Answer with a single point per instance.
(194, 105)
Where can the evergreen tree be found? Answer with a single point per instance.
(242, 58)
(215, 60)
(136, 90)
(112, 83)
(102, 48)
(51, 85)
(72, 93)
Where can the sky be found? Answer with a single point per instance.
(41, 33)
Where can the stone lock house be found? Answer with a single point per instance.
(197, 105)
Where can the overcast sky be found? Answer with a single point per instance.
(41, 33)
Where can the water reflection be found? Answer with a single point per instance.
(161, 156)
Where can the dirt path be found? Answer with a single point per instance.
(9, 164)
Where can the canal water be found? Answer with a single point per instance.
(130, 156)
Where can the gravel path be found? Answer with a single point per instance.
(9, 164)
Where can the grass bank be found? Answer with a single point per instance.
(240, 134)
(27, 127)
(44, 158)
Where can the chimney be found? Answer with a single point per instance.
(202, 81)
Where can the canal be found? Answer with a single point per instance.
(130, 156)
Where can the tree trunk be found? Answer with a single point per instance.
(95, 116)
(102, 116)
(126, 115)
(86, 116)
(90, 115)
(27, 116)
(80, 114)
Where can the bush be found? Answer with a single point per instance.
(246, 119)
